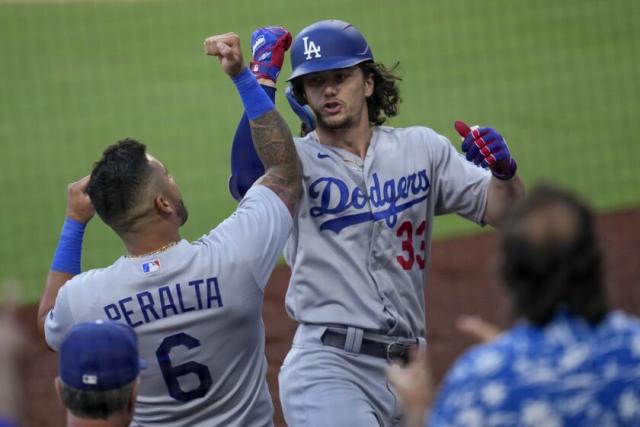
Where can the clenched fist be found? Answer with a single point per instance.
(79, 205)
(227, 48)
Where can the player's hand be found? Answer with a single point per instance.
(226, 47)
(487, 148)
(414, 385)
(477, 328)
(79, 206)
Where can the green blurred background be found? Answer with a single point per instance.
(558, 78)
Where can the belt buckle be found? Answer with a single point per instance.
(399, 350)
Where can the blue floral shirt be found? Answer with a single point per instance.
(567, 373)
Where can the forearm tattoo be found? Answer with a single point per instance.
(276, 149)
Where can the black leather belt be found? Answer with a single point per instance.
(393, 348)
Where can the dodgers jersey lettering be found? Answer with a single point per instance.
(196, 308)
(360, 246)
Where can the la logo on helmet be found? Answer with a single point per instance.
(310, 48)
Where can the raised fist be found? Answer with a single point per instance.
(227, 48)
(79, 206)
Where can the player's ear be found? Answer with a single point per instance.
(162, 204)
(58, 386)
(369, 84)
(131, 404)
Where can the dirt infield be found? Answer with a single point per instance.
(457, 285)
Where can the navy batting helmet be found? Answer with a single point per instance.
(328, 45)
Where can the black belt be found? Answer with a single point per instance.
(393, 348)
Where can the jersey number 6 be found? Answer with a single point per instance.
(172, 373)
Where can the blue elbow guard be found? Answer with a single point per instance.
(302, 111)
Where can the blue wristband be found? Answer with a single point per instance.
(255, 101)
(69, 249)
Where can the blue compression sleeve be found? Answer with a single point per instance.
(246, 166)
(69, 250)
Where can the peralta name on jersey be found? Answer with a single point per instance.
(165, 301)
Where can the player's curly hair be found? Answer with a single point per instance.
(552, 259)
(116, 182)
(384, 101)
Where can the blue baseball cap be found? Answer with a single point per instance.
(100, 356)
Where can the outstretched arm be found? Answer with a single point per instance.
(501, 196)
(487, 148)
(271, 136)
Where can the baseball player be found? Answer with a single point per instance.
(359, 251)
(196, 307)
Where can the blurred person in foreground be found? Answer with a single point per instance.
(99, 371)
(568, 360)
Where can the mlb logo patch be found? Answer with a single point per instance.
(151, 266)
(89, 379)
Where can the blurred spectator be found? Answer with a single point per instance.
(12, 348)
(99, 368)
(477, 328)
(569, 359)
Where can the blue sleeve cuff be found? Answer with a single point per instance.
(256, 102)
(69, 249)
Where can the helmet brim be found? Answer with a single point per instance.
(318, 65)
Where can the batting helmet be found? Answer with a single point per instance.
(328, 45)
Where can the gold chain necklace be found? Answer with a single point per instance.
(359, 162)
(157, 251)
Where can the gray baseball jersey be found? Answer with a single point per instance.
(360, 246)
(196, 308)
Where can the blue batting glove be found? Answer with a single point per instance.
(487, 148)
(268, 46)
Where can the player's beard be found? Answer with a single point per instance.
(182, 213)
(335, 124)
(335, 121)
(346, 120)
